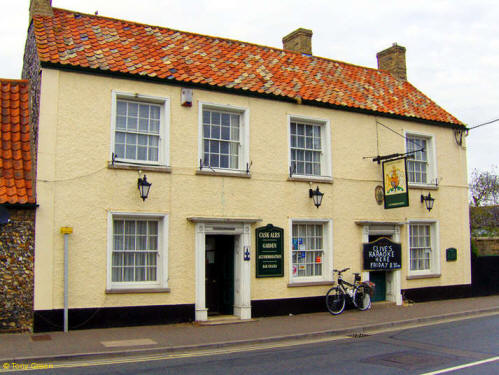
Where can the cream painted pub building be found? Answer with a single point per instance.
(235, 139)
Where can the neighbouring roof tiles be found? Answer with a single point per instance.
(15, 147)
(106, 44)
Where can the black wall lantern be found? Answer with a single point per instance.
(143, 187)
(428, 201)
(316, 195)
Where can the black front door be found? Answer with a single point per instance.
(219, 275)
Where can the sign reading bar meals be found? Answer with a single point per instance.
(269, 251)
(395, 183)
(382, 254)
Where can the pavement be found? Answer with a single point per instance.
(162, 339)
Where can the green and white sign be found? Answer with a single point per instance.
(395, 183)
(269, 251)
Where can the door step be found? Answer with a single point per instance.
(223, 319)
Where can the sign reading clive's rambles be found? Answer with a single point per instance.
(269, 251)
(382, 254)
(395, 183)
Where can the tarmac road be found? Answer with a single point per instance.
(427, 349)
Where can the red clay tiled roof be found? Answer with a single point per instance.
(96, 42)
(15, 149)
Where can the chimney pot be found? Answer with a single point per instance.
(299, 40)
(392, 60)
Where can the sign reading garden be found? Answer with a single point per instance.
(382, 254)
(269, 251)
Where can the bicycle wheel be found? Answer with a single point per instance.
(335, 301)
(361, 298)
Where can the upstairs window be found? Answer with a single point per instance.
(140, 130)
(221, 139)
(420, 161)
(224, 137)
(309, 148)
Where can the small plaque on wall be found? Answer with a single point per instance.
(451, 254)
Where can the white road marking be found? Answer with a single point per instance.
(443, 371)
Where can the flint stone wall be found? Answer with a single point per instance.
(17, 243)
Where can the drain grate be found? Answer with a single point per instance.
(357, 335)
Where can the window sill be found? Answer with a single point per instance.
(319, 180)
(427, 276)
(241, 174)
(423, 186)
(311, 283)
(136, 291)
(137, 167)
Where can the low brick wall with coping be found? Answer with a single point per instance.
(487, 246)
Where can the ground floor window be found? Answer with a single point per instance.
(423, 251)
(137, 248)
(309, 250)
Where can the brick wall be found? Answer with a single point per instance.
(17, 242)
(487, 246)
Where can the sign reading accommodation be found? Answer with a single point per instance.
(395, 183)
(382, 254)
(269, 251)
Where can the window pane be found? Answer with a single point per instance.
(215, 132)
(214, 147)
(225, 132)
(143, 125)
(225, 119)
(120, 122)
(234, 134)
(121, 108)
(155, 112)
(206, 117)
(131, 123)
(215, 118)
(133, 109)
(234, 121)
(144, 111)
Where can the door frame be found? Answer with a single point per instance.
(240, 229)
(393, 277)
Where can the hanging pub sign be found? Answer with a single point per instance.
(395, 183)
(382, 254)
(269, 251)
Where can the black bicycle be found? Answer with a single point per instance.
(359, 293)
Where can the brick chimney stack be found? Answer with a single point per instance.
(41, 8)
(393, 61)
(299, 40)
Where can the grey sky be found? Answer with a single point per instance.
(452, 45)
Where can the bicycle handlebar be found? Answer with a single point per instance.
(340, 272)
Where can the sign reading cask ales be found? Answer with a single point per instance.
(382, 254)
(269, 251)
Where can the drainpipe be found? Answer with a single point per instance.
(66, 231)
